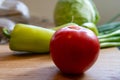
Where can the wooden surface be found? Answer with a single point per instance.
(17, 66)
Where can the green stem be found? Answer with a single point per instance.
(6, 32)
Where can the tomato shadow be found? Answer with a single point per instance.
(62, 76)
(46, 73)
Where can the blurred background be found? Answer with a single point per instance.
(40, 13)
(45, 8)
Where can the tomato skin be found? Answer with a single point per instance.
(74, 49)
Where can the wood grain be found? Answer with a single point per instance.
(24, 66)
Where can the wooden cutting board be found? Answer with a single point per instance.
(20, 66)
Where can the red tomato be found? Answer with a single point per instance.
(74, 49)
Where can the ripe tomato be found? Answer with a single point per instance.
(74, 49)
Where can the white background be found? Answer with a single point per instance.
(45, 8)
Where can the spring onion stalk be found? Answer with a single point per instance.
(109, 44)
(110, 39)
(112, 34)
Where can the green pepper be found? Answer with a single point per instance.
(30, 38)
(92, 27)
(76, 11)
